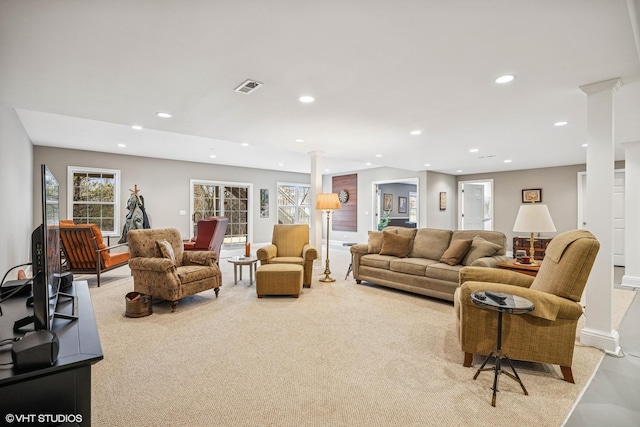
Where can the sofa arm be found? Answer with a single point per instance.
(495, 275)
(309, 253)
(490, 261)
(207, 258)
(151, 264)
(265, 253)
(361, 249)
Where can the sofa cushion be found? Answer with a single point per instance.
(408, 232)
(456, 251)
(414, 266)
(395, 244)
(441, 271)
(166, 250)
(377, 261)
(430, 243)
(480, 248)
(375, 242)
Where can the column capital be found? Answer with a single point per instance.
(611, 84)
(316, 153)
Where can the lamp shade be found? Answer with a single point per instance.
(327, 201)
(534, 218)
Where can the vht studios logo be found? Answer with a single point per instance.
(43, 418)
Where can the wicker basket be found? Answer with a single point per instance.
(138, 304)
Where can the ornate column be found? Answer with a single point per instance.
(598, 330)
(631, 213)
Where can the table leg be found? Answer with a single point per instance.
(250, 275)
(235, 274)
(240, 265)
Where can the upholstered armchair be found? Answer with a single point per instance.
(548, 333)
(210, 236)
(160, 267)
(290, 245)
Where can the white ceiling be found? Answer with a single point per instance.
(81, 73)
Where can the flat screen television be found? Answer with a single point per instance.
(45, 256)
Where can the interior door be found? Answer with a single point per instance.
(473, 207)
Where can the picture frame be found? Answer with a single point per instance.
(402, 205)
(264, 203)
(443, 200)
(387, 202)
(532, 195)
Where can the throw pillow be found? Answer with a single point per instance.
(456, 251)
(395, 244)
(375, 242)
(166, 250)
(480, 248)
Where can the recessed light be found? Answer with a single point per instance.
(280, 164)
(415, 132)
(508, 161)
(585, 145)
(427, 164)
(368, 164)
(164, 115)
(378, 155)
(299, 140)
(561, 123)
(505, 79)
(327, 170)
(459, 170)
(474, 150)
(245, 144)
(306, 99)
(213, 156)
(136, 127)
(122, 145)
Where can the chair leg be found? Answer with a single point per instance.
(173, 305)
(216, 290)
(468, 359)
(567, 374)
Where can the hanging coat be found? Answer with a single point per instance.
(135, 217)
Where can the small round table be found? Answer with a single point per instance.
(238, 262)
(504, 303)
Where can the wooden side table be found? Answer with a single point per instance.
(513, 265)
(238, 262)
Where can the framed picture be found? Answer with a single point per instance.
(264, 203)
(402, 205)
(387, 202)
(532, 195)
(443, 201)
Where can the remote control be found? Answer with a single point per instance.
(481, 296)
(496, 296)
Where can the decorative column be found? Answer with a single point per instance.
(631, 213)
(598, 330)
(315, 237)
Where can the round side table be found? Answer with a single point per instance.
(502, 303)
(238, 262)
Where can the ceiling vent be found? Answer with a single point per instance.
(248, 86)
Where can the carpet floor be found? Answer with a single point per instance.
(340, 355)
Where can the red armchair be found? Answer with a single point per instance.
(210, 235)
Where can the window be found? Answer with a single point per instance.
(210, 198)
(294, 204)
(92, 198)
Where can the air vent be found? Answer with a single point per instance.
(487, 157)
(248, 86)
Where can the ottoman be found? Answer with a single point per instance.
(279, 279)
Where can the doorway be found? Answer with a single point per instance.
(475, 205)
(232, 200)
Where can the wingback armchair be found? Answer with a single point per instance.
(290, 245)
(210, 236)
(548, 333)
(160, 267)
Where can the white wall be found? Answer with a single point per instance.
(437, 183)
(165, 184)
(16, 187)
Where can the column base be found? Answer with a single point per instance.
(609, 342)
(630, 281)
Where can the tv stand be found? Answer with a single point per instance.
(65, 387)
(28, 320)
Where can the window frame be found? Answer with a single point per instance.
(73, 170)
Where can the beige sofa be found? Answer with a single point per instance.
(425, 261)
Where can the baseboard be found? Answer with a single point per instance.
(609, 342)
(630, 281)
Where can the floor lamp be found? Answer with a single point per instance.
(327, 202)
(534, 218)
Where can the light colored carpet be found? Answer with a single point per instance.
(340, 355)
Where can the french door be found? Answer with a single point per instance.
(232, 200)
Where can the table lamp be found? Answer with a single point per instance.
(327, 202)
(534, 218)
